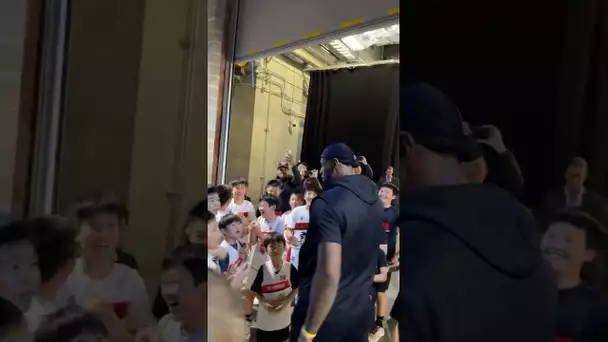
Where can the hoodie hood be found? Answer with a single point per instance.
(486, 219)
(359, 185)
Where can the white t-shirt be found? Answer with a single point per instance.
(258, 258)
(171, 330)
(233, 254)
(245, 208)
(274, 286)
(221, 214)
(300, 218)
(39, 308)
(122, 285)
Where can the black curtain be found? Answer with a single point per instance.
(535, 69)
(357, 106)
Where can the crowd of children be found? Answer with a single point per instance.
(62, 280)
(259, 251)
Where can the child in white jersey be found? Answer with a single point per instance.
(300, 217)
(231, 227)
(295, 200)
(97, 282)
(239, 203)
(267, 223)
(275, 286)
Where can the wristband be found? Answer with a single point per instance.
(308, 334)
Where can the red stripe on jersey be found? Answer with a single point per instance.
(288, 258)
(278, 213)
(276, 287)
(386, 226)
(301, 226)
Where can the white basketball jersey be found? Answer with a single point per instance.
(259, 254)
(246, 209)
(300, 217)
(275, 286)
(233, 254)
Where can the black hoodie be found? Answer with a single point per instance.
(348, 212)
(471, 268)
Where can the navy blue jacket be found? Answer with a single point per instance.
(349, 213)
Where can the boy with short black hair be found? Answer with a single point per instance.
(572, 241)
(267, 223)
(239, 203)
(231, 227)
(96, 277)
(72, 324)
(213, 199)
(183, 286)
(19, 273)
(275, 286)
(225, 195)
(12, 324)
(55, 242)
(388, 192)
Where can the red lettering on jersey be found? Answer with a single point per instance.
(276, 287)
(301, 226)
(246, 214)
(386, 226)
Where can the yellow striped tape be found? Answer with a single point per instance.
(352, 23)
(254, 51)
(393, 11)
(312, 34)
(281, 43)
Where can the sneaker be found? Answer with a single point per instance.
(376, 334)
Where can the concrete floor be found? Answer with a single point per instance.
(391, 295)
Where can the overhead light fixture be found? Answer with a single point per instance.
(353, 43)
(342, 49)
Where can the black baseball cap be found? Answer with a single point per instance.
(434, 121)
(342, 153)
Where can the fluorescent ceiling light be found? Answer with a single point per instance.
(342, 49)
(353, 43)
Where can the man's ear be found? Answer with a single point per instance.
(406, 143)
(590, 255)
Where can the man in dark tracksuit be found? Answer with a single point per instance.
(471, 266)
(339, 257)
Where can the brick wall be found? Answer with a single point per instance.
(216, 21)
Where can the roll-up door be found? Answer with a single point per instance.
(266, 26)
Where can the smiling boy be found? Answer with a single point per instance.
(231, 227)
(573, 240)
(183, 286)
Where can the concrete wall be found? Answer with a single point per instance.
(266, 132)
(134, 123)
(12, 35)
(101, 99)
(168, 166)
